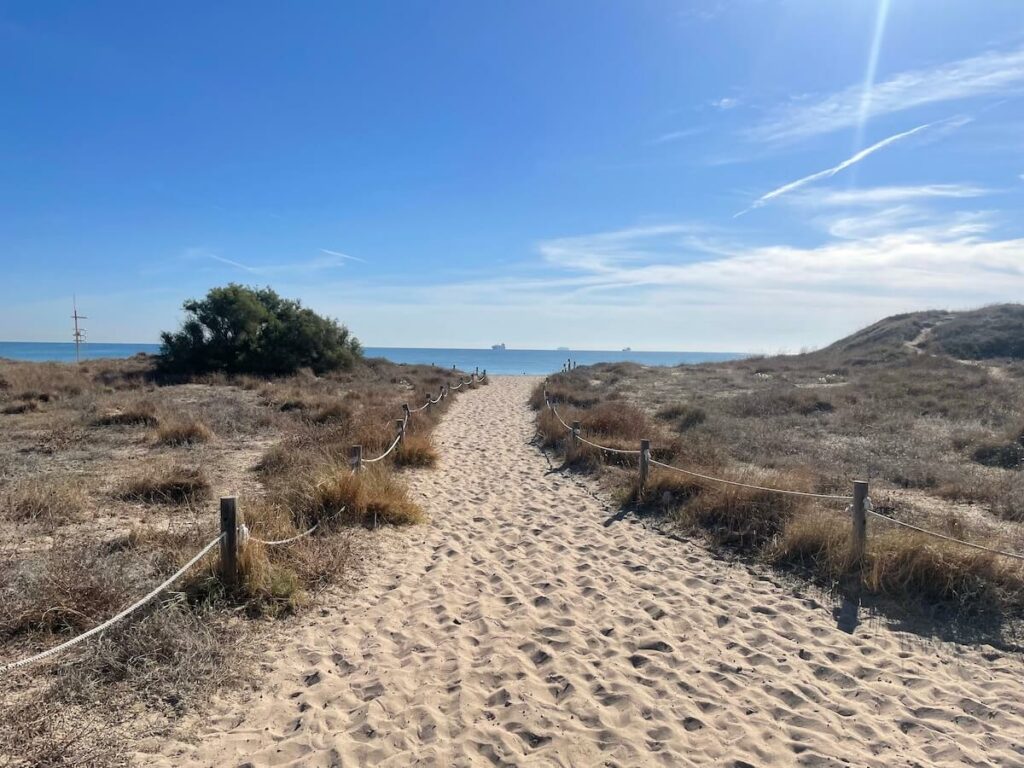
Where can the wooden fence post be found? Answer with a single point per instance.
(858, 541)
(645, 467)
(406, 412)
(576, 434)
(400, 429)
(444, 392)
(355, 457)
(229, 540)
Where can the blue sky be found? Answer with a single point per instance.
(750, 175)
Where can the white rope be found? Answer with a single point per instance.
(284, 541)
(753, 487)
(584, 440)
(130, 609)
(943, 536)
(605, 447)
(397, 440)
(705, 477)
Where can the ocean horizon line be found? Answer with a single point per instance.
(140, 344)
(497, 361)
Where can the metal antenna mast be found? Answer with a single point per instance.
(79, 332)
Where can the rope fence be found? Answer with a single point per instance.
(114, 619)
(859, 507)
(235, 534)
(723, 481)
(944, 537)
(279, 542)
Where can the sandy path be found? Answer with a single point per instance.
(522, 627)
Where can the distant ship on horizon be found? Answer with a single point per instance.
(498, 347)
(562, 349)
(627, 349)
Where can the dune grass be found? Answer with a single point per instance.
(185, 430)
(172, 652)
(165, 482)
(792, 532)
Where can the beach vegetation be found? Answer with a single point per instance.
(239, 329)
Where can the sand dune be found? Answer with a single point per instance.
(523, 626)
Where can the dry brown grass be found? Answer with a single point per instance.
(27, 406)
(372, 495)
(70, 589)
(182, 431)
(166, 483)
(910, 565)
(51, 591)
(139, 412)
(37, 734)
(46, 501)
(415, 450)
(817, 541)
(750, 423)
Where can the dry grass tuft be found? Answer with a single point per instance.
(168, 483)
(70, 590)
(183, 431)
(27, 406)
(744, 518)
(331, 412)
(818, 541)
(140, 412)
(415, 450)
(910, 565)
(682, 416)
(45, 501)
(374, 494)
(35, 733)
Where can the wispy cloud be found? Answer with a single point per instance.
(680, 284)
(897, 194)
(329, 261)
(993, 72)
(941, 255)
(340, 255)
(726, 102)
(685, 133)
(232, 263)
(829, 172)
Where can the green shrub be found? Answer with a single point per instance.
(237, 329)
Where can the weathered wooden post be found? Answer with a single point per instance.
(645, 467)
(355, 457)
(229, 540)
(400, 430)
(576, 434)
(858, 541)
(444, 392)
(406, 412)
(477, 370)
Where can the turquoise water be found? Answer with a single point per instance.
(509, 361)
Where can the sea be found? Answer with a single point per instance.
(496, 361)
